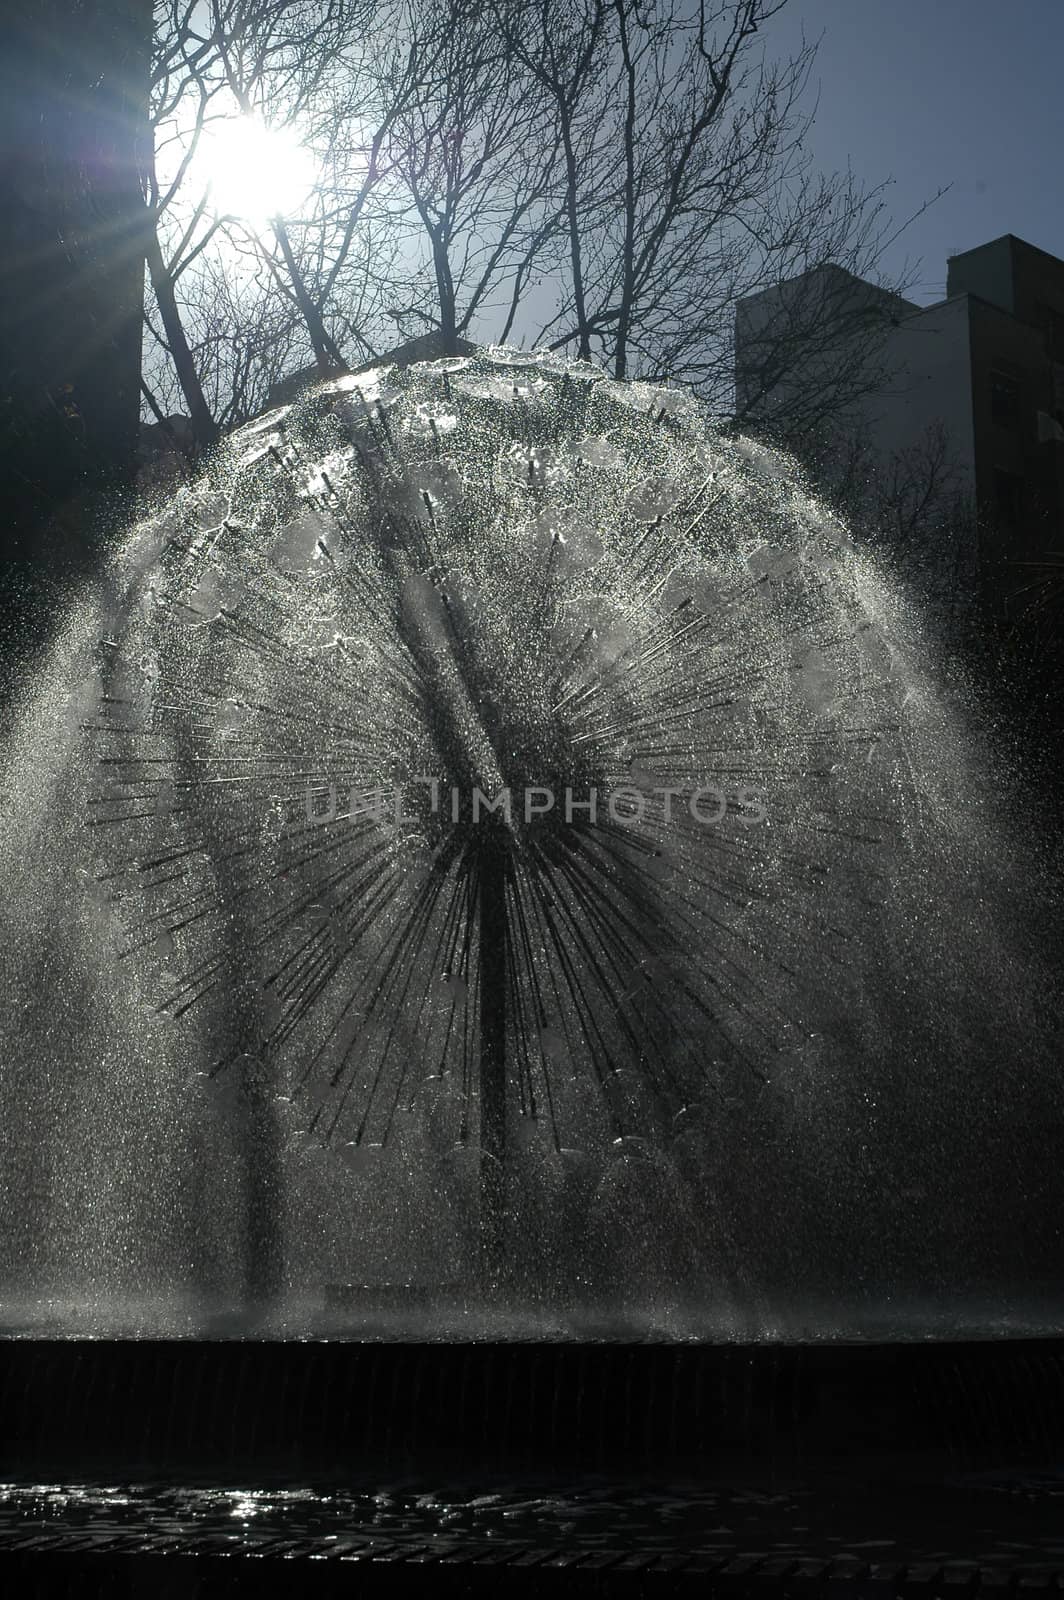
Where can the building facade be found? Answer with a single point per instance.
(74, 81)
(981, 372)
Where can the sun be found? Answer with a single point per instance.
(255, 172)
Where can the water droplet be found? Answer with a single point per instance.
(202, 604)
(441, 481)
(569, 547)
(769, 562)
(597, 451)
(654, 499)
(531, 466)
(211, 512)
(232, 717)
(431, 419)
(296, 548)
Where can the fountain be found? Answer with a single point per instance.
(522, 964)
(493, 857)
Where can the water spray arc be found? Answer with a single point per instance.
(496, 575)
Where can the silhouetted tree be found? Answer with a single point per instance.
(608, 177)
(235, 296)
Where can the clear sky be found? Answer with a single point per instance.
(936, 92)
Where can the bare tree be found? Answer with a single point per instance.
(243, 333)
(181, 94)
(274, 57)
(811, 348)
(232, 298)
(607, 176)
(564, 51)
(475, 151)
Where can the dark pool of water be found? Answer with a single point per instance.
(1003, 1517)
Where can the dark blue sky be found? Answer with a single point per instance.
(932, 92)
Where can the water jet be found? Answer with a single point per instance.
(767, 1074)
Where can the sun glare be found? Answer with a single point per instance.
(255, 172)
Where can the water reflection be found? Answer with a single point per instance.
(1001, 1518)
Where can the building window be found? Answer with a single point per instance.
(1008, 497)
(1004, 399)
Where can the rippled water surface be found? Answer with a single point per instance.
(1001, 1517)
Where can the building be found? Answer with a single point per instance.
(827, 355)
(74, 83)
